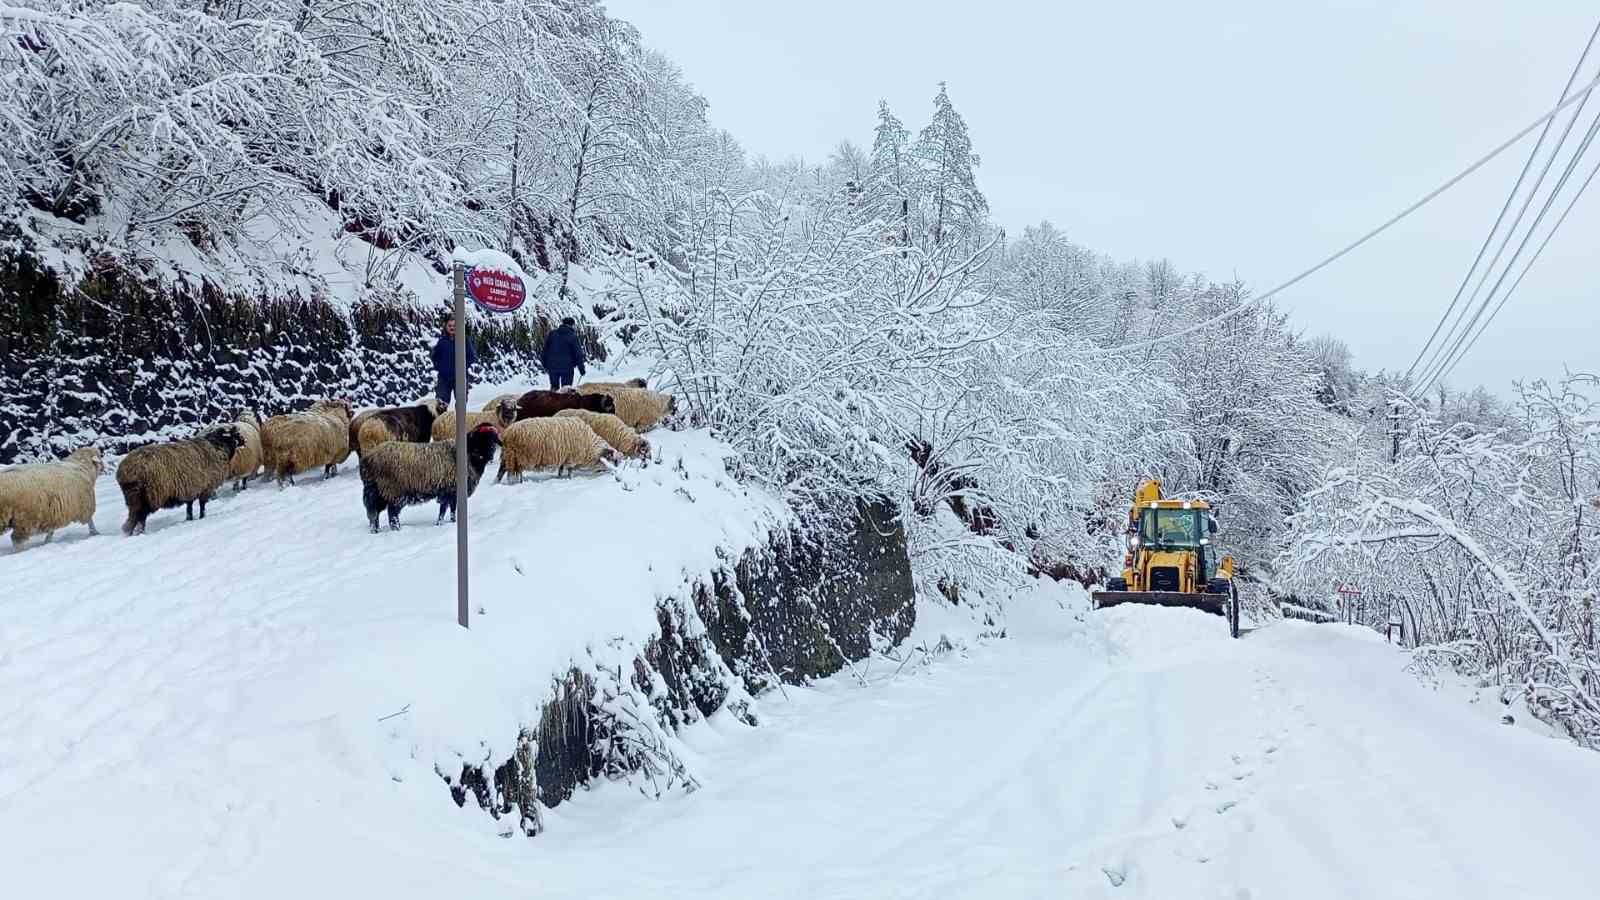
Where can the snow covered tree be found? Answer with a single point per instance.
(953, 207)
(1480, 541)
(892, 179)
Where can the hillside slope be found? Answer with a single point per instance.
(170, 704)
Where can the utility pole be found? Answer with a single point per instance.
(1394, 432)
(460, 391)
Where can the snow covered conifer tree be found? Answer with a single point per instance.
(891, 183)
(954, 208)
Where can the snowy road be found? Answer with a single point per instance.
(254, 707)
(1151, 758)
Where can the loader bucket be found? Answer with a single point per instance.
(1225, 605)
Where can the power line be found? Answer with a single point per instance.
(1426, 199)
(1509, 291)
(1451, 350)
(1489, 238)
(1454, 353)
(1461, 329)
(1455, 341)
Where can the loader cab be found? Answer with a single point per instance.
(1173, 529)
(1170, 546)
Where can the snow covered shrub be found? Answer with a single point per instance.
(184, 123)
(801, 340)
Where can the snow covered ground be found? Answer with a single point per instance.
(200, 713)
(172, 705)
(1130, 753)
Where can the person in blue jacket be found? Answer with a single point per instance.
(444, 360)
(563, 352)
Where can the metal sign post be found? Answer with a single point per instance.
(1348, 597)
(461, 444)
(493, 290)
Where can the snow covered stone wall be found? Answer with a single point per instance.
(789, 612)
(123, 356)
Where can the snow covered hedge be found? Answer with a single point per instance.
(121, 357)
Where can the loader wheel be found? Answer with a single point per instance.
(1116, 584)
(1233, 610)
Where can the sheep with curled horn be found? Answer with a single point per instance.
(176, 473)
(42, 498)
(398, 474)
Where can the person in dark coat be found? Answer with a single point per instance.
(444, 361)
(563, 352)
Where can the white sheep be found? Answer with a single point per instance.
(613, 431)
(494, 404)
(556, 442)
(246, 462)
(43, 497)
(299, 442)
(505, 412)
(602, 385)
(642, 409)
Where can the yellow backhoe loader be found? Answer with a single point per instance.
(1171, 560)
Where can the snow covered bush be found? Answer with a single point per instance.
(1482, 541)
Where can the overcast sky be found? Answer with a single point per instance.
(1233, 137)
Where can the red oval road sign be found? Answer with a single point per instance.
(495, 290)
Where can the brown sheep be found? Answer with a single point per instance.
(613, 431)
(296, 443)
(541, 404)
(444, 427)
(553, 442)
(42, 497)
(162, 476)
(412, 424)
(642, 409)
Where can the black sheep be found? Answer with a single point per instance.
(398, 474)
(399, 423)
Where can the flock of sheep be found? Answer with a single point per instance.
(407, 455)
